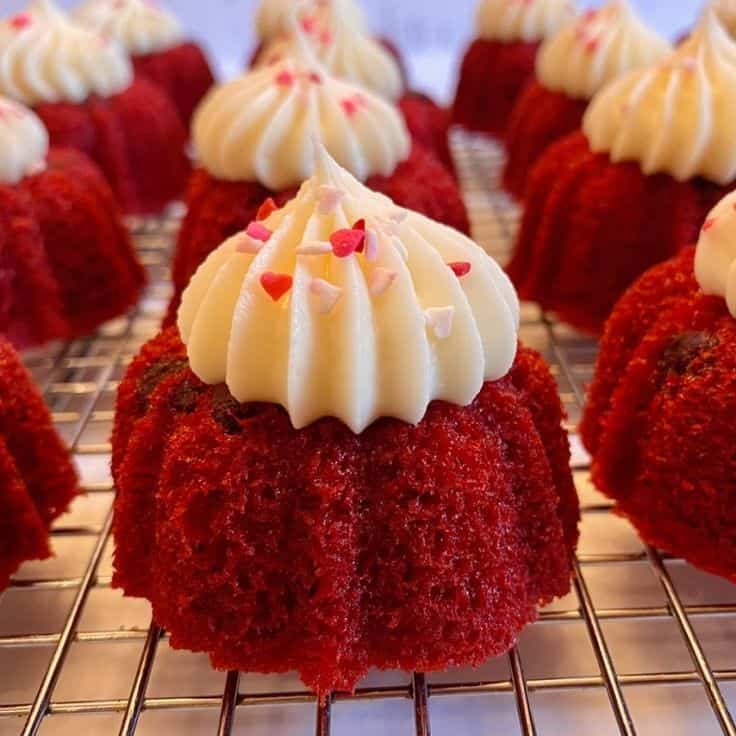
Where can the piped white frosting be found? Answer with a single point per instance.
(272, 16)
(522, 20)
(261, 127)
(597, 48)
(24, 142)
(715, 256)
(289, 312)
(141, 26)
(45, 57)
(342, 48)
(726, 11)
(677, 116)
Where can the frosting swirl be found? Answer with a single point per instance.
(260, 127)
(521, 20)
(141, 26)
(342, 305)
(726, 11)
(272, 16)
(715, 256)
(344, 50)
(675, 117)
(24, 143)
(44, 57)
(596, 48)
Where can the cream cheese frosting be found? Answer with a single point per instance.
(343, 305)
(141, 26)
(596, 48)
(675, 117)
(45, 57)
(344, 50)
(522, 20)
(726, 10)
(715, 256)
(261, 127)
(272, 16)
(24, 142)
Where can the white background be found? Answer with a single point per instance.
(433, 31)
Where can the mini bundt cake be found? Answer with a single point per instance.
(81, 86)
(154, 39)
(37, 480)
(66, 262)
(253, 139)
(334, 35)
(500, 62)
(659, 422)
(572, 66)
(604, 205)
(341, 460)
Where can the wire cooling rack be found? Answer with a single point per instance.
(643, 644)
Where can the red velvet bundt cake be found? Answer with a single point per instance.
(254, 137)
(572, 66)
(66, 262)
(37, 480)
(343, 462)
(659, 422)
(159, 52)
(81, 85)
(500, 62)
(602, 206)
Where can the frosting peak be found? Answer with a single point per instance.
(24, 143)
(346, 51)
(522, 20)
(141, 26)
(45, 57)
(272, 16)
(676, 116)
(261, 127)
(343, 305)
(715, 256)
(596, 48)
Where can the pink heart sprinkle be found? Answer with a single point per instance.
(284, 78)
(20, 21)
(592, 44)
(314, 77)
(258, 232)
(708, 224)
(309, 24)
(346, 242)
(276, 284)
(266, 209)
(460, 268)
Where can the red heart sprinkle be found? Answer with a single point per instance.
(309, 24)
(276, 284)
(285, 78)
(346, 242)
(460, 268)
(258, 232)
(708, 224)
(22, 20)
(314, 77)
(266, 209)
(592, 44)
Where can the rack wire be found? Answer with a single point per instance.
(62, 627)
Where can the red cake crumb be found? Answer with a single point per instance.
(183, 72)
(492, 76)
(218, 209)
(591, 227)
(135, 137)
(540, 118)
(326, 552)
(659, 423)
(37, 481)
(66, 261)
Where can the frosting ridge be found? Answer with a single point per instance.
(341, 304)
(521, 20)
(45, 57)
(596, 48)
(676, 116)
(24, 142)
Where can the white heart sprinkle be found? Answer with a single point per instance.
(381, 279)
(327, 295)
(440, 320)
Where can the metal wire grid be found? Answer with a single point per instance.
(79, 379)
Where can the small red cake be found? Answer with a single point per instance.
(499, 63)
(37, 480)
(66, 261)
(293, 494)
(574, 64)
(154, 39)
(91, 102)
(605, 204)
(235, 175)
(660, 413)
